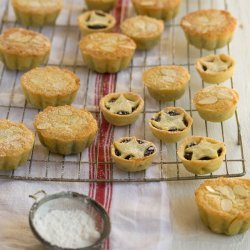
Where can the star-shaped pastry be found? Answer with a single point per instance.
(217, 65)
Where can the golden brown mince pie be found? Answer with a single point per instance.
(161, 9)
(16, 143)
(171, 124)
(209, 29)
(23, 49)
(121, 109)
(166, 83)
(96, 21)
(107, 52)
(201, 155)
(216, 103)
(145, 31)
(104, 5)
(224, 205)
(65, 129)
(132, 154)
(215, 68)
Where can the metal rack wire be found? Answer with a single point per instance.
(173, 49)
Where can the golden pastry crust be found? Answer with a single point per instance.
(121, 109)
(224, 205)
(171, 124)
(132, 154)
(96, 21)
(104, 5)
(216, 103)
(37, 12)
(65, 129)
(166, 83)
(16, 143)
(50, 86)
(209, 29)
(160, 9)
(23, 49)
(201, 155)
(107, 52)
(215, 68)
(144, 30)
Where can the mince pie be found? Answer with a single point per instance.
(104, 5)
(224, 205)
(216, 103)
(166, 83)
(121, 109)
(171, 124)
(215, 68)
(209, 29)
(96, 21)
(145, 31)
(201, 155)
(132, 154)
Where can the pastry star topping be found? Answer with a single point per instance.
(216, 65)
(121, 105)
(170, 122)
(204, 149)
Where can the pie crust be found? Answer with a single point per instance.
(215, 68)
(160, 9)
(216, 103)
(37, 12)
(50, 86)
(96, 21)
(144, 30)
(201, 155)
(121, 109)
(171, 124)
(16, 143)
(209, 29)
(131, 154)
(104, 5)
(107, 52)
(23, 49)
(65, 129)
(224, 205)
(166, 83)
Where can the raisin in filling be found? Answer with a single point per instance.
(97, 26)
(125, 141)
(117, 152)
(204, 67)
(128, 157)
(172, 113)
(150, 150)
(188, 155)
(140, 141)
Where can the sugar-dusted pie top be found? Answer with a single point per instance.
(15, 138)
(156, 4)
(215, 63)
(50, 81)
(107, 45)
(24, 42)
(142, 26)
(216, 97)
(65, 123)
(210, 21)
(230, 196)
(166, 77)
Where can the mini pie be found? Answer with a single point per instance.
(171, 124)
(16, 143)
(107, 52)
(37, 12)
(145, 31)
(209, 29)
(96, 21)
(224, 205)
(132, 154)
(201, 155)
(215, 68)
(65, 129)
(160, 9)
(166, 83)
(50, 86)
(23, 49)
(104, 5)
(121, 109)
(216, 103)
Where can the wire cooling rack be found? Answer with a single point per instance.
(94, 164)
